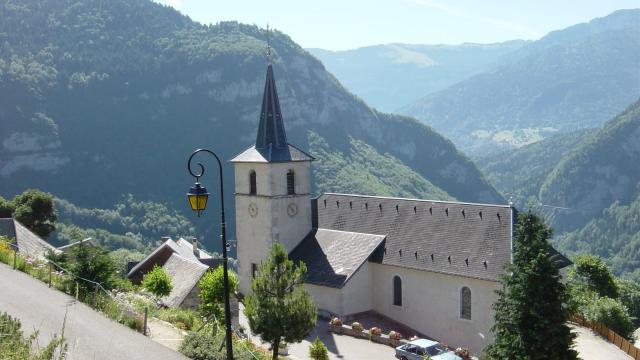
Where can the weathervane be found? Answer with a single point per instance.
(268, 46)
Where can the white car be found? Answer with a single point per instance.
(419, 349)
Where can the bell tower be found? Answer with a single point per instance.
(272, 190)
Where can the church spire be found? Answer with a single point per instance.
(271, 134)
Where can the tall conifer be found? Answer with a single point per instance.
(530, 317)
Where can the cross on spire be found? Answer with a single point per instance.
(268, 45)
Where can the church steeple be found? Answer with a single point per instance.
(271, 134)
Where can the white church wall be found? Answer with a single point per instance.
(431, 304)
(327, 299)
(356, 294)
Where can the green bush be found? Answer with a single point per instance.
(157, 282)
(202, 345)
(181, 318)
(212, 290)
(592, 271)
(612, 314)
(630, 297)
(318, 351)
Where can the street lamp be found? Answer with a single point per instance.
(198, 197)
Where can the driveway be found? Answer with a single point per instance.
(89, 334)
(591, 346)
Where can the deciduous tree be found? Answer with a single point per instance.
(212, 290)
(279, 307)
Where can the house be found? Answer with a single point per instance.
(433, 266)
(28, 243)
(185, 263)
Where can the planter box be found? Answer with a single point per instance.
(336, 329)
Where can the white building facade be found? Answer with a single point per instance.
(433, 266)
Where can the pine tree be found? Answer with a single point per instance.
(280, 308)
(530, 317)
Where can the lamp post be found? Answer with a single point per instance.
(198, 197)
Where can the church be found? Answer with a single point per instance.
(433, 266)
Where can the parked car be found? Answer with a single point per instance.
(418, 349)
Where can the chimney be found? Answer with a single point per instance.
(196, 252)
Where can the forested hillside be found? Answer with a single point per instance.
(104, 98)
(392, 76)
(587, 183)
(574, 78)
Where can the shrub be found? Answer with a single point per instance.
(463, 353)
(630, 297)
(356, 326)
(157, 282)
(335, 321)
(202, 346)
(182, 318)
(318, 351)
(612, 314)
(212, 290)
(395, 335)
(375, 331)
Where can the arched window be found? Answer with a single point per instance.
(465, 303)
(291, 183)
(252, 183)
(397, 291)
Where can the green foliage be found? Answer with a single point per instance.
(362, 170)
(212, 290)
(630, 298)
(185, 319)
(6, 208)
(591, 271)
(157, 282)
(202, 345)
(613, 314)
(530, 317)
(318, 351)
(14, 345)
(121, 257)
(279, 307)
(33, 209)
(94, 264)
(131, 224)
(614, 236)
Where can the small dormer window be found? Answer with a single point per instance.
(291, 185)
(252, 183)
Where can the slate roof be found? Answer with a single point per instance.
(185, 275)
(333, 256)
(29, 244)
(472, 240)
(182, 247)
(271, 141)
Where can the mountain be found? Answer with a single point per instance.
(570, 79)
(587, 183)
(598, 172)
(392, 76)
(519, 173)
(100, 99)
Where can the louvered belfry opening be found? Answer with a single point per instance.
(291, 182)
(253, 187)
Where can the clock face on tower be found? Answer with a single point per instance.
(253, 209)
(292, 209)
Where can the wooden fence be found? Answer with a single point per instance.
(610, 335)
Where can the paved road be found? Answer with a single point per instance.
(591, 346)
(90, 335)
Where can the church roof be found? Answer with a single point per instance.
(465, 239)
(333, 256)
(271, 141)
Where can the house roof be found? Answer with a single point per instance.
(29, 244)
(87, 241)
(185, 275)
(333, 256)
(465, 239)
(181, 247)
(271, 141)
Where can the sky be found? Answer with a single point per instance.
(349, 24)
